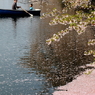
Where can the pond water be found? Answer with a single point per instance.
(19, 39)
(28, 66)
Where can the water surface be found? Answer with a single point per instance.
(28, 66)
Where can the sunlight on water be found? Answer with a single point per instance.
(22, 51)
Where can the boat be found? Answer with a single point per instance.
(17, 13)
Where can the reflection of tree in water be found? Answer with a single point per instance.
(63, 61)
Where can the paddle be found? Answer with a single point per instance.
(27, 12)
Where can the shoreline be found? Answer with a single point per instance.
(82, 85)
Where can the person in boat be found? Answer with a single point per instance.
(14, 6)
(31, 6)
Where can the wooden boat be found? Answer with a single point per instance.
(17, 13)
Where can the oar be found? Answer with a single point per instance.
(27, 12)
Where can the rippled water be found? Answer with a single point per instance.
(16, 39)
(19, 38)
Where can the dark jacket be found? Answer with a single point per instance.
(14, 6)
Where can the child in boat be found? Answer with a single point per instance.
(14, 6)
(31, 6)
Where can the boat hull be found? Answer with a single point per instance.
(17, 13)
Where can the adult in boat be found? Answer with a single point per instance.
(14, 6)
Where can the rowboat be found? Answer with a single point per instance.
(17, 13)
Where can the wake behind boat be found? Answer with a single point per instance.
(17, 13)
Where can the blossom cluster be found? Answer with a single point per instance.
(78, 22)
(53, 13)
(91, 42)
(74, 3)
(56, 37)
(90, 52)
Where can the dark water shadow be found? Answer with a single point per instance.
(60, 62)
